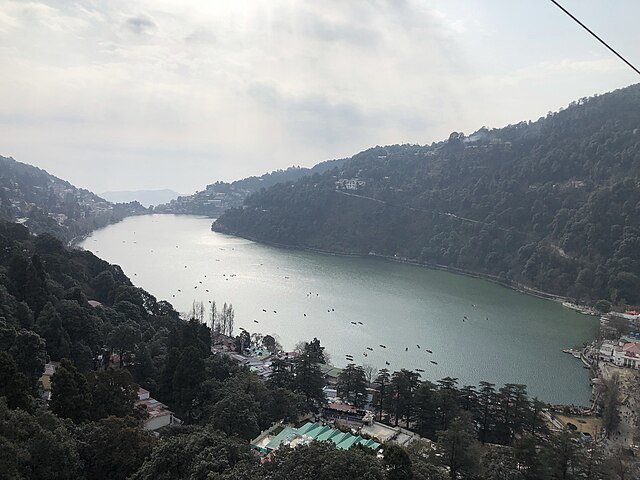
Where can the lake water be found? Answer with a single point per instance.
(507, 337)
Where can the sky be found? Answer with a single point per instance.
(146, 94)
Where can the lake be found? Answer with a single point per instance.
(476, 330)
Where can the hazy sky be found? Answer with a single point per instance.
(135, 94)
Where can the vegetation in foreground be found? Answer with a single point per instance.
(91, 427)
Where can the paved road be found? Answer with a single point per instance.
(628, 383)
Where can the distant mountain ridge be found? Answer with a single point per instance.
(220, 196)
(47, 204)
(144, 197)
(552, 204)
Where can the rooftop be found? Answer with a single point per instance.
(330, 370)
(155, 408)
(342, 407)
(314, 431)
(632, 348)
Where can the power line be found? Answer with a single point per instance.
(594, 35)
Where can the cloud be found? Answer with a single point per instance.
(315, 104)
(318, 120)
(201, 35)
(327, 25)
(247, 86)
(140, 24)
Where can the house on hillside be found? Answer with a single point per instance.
(223, 342)
(45, 380)
(159, 414)
(350, 183)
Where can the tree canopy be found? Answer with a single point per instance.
(551, 205)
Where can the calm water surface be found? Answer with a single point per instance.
(508, 337)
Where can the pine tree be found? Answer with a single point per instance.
(459, 447)
(113, 393)
(486, 407)
(352, 385)
(49, 327)
(425, 405)
(14, 386)
(382, 384)
(281, 374)
(308, 379)
(188, 375)
(70, 395)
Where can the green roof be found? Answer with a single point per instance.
(348, 442)
(308, 427)
(321, 433)
(328, 435)
(369, 443)
(286, 434)
(330, 370)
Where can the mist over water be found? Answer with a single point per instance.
(507, 337)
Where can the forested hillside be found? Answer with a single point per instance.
(552, 204)
(220, 196)
(47, 204)
(91, 427)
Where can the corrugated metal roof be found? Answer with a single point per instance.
(321, 433)
(287, 434)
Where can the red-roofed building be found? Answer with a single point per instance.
(627, 355)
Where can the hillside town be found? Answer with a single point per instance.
(614, 360)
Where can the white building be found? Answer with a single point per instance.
(159, 414)
(606, 351)
(330, 393)
(627, 355)
(45, 380)
(350, 183)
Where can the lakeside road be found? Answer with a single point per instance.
(629, 408)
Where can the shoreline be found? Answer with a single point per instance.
(578, 400)
(78, 239)
(515, 286)
(468, 273)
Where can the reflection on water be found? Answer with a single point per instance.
(475, 329)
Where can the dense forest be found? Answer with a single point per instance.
(552, 204)
(47, 204)
(91, 427)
